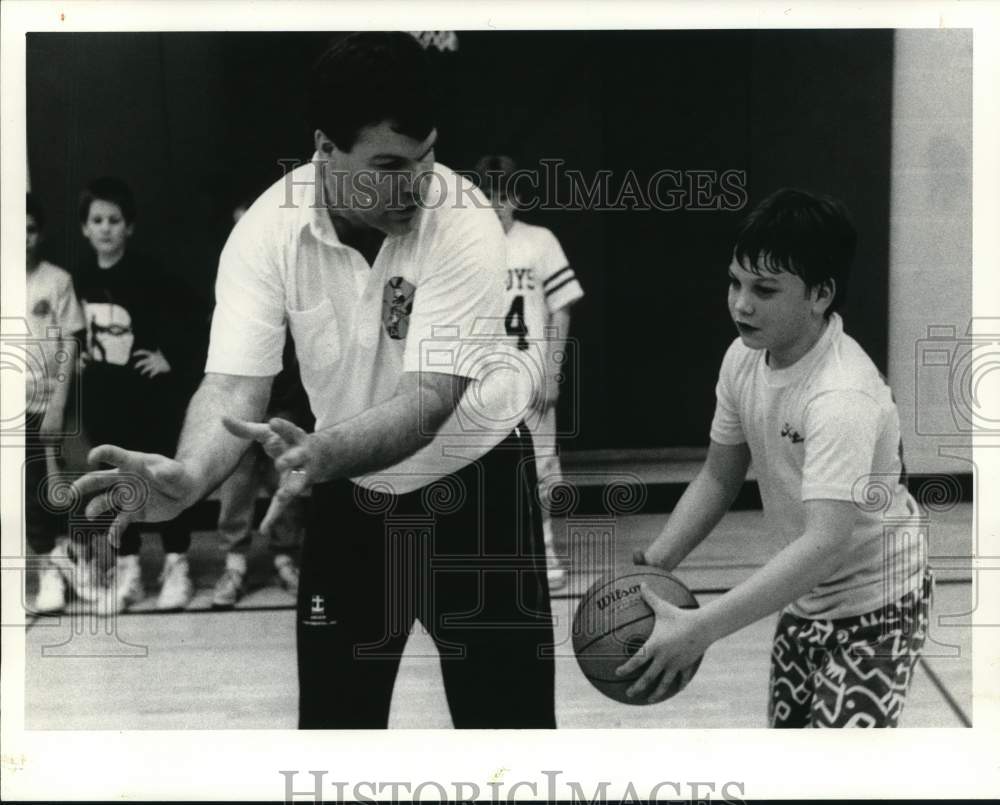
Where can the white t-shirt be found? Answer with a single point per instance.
(54, 314)
(827, 427)
(432, 301)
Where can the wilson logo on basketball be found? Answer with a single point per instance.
(606, 600)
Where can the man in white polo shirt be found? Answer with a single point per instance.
(389, 271)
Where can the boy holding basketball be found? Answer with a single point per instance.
(802, 400)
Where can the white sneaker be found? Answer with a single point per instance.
(79, 574)
(128, 582)
(51, 591)
(228, 589)
(177, 590)
(288, 573)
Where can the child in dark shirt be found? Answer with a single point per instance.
(136, 360)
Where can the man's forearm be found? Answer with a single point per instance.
(206, 448)
(387, 433)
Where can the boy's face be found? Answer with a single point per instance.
(380, 183)
(34, 238)
(106, 228)
(504, 208)
(776, 312)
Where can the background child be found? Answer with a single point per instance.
(140, 358)
(55, 322)
(541, 289)
(806, 404)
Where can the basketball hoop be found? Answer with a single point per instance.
(439, 40)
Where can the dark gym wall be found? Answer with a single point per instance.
(192, 121)
(196, 121)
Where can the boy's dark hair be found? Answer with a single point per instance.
(367, 78)
(807, 235)
(34, 209)
(493, 175)
(110, 189)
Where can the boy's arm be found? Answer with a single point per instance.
(559, 323)
(793, 572)
(62, 376)
(72, 324)
(703, 504)
(842, 429)
(681, 636)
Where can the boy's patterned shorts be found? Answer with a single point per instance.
(847, 672)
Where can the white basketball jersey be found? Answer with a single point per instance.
(539, 282)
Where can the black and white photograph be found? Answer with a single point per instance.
(401, 414)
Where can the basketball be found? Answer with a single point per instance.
(612, 622)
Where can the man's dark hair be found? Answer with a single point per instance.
(493, 175)
(110, 189)
(34, 209)
(807, 235)
(367, 78)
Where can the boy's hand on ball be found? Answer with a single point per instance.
(650, 558)
(675, 643)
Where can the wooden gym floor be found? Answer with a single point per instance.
(236, 670)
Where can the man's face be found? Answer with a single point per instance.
(775, 312)
(380, 183)
(106, 229)
(34, 238)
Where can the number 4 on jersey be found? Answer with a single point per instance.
(515, 322)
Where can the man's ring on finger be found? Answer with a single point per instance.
(296, 481)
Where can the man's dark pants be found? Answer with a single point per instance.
(465, 556)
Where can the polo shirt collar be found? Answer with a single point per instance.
(315, 216)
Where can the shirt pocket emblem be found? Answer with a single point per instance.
(397, 305)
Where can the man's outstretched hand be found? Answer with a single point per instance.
(140, 487)
(295, 458)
